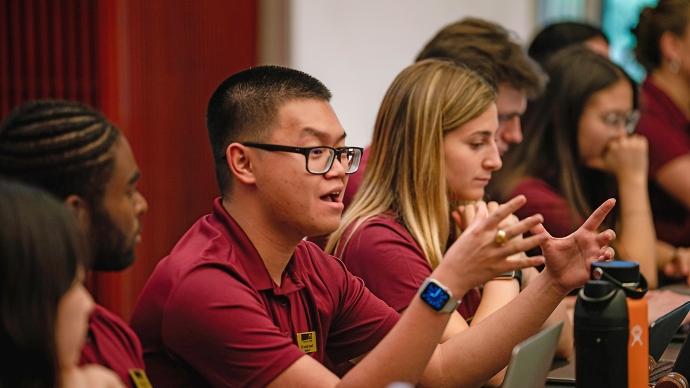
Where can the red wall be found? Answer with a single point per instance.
(150, 66)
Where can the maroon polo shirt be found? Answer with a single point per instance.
(113, 344)
(385, 255)
(210, 314)
(544, 199)
(668, 134)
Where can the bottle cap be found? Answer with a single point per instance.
(626, 272)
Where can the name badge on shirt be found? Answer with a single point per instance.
(307, 341)
(139, 378)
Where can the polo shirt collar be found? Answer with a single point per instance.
(249, 257)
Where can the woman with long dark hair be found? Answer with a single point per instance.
(44, 306)
(580, 148)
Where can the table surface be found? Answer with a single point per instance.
(670, 354)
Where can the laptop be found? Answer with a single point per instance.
(531, 359)
(661, 332)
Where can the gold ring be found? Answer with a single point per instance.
(501, 237)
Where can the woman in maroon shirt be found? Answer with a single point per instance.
(433, 149)
(44, 306)
(580, 149)
(663, 48)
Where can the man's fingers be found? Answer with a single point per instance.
(523, 226)
(525, 244)
(506, 209)
(605, 237)
(607, 253)
(540, 229)
(597, 217)
(523, 261)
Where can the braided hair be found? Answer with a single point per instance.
(63, 147)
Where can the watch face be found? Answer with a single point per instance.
(435, 296)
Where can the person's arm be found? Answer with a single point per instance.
(673, 177)
(89, 376)
(673, 261)
(495, 293)
(475, 354)
(566, 341)
(568, 262)
(626, 158)
(403, 354)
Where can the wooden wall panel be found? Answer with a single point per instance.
(46, 51)
(150, 66)
(167, 60)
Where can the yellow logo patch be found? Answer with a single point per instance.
(139, 378)
(307, 341)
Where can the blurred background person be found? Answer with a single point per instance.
(76, 154)
(559, 35)
(44, 307)
(663, 48)
(581, 149)
(494, 53)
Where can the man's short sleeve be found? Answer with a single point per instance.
(220, 327)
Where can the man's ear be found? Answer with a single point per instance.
(240, 163)
(78, 206)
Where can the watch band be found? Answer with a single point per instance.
(437, 296)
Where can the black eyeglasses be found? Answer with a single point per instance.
(319, 160)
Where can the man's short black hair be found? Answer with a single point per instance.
(245, 106)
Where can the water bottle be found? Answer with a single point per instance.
(611, 330)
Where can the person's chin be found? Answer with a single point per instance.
(473, 195)
(326, 226)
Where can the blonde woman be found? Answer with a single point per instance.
(433, 148)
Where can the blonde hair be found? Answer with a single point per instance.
(405, 172)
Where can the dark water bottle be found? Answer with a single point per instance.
(601, 336)
(611, 333)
